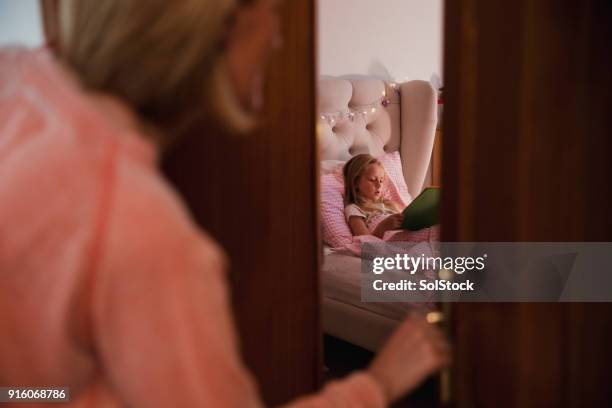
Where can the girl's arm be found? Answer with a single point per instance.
(392, 222)
(358, 226)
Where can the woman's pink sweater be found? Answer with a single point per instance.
(107, 286)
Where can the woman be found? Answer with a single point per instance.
(107, 285)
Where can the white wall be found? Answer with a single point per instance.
(20, 23)
(393, 39)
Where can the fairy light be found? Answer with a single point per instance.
(364, 110)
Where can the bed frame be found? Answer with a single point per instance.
(360, 114)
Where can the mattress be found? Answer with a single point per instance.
(341, 281)
(366, 324)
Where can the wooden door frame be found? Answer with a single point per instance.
(527, 99)
(271, 230)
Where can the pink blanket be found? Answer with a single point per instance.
(425, 235)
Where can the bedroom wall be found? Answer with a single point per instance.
(20, 23)
(393, 39)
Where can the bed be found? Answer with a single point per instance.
(360, 114)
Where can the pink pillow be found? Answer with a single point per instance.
(335, 230)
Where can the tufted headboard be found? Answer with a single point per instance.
(368, 115)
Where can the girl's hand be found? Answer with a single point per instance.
(395, 221)
(416, 350)
(392, 222)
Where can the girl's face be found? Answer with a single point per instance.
(370, 184)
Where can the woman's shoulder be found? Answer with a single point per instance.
(149, 220)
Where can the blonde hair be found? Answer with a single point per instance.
(164, 58)
(352, 172)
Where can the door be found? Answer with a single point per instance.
(527, 156)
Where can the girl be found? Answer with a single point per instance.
(367, 210)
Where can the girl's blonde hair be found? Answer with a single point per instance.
(164, 58)
(352, 171)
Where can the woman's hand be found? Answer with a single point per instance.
(392, 222)
(416, 350)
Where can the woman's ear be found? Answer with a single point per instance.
(240, 25)
(236, 55)
(251, 37)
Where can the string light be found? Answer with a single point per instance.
(334, 117)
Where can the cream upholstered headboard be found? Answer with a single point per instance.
(354, 120)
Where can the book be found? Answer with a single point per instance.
(422, 212)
